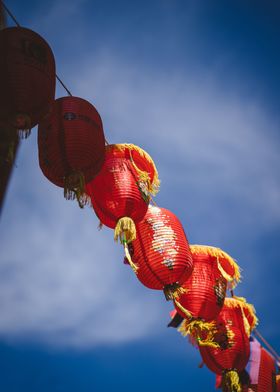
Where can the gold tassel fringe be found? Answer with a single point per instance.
(22, 123)
(74, 185)
(127, 255)
(173, 291)
(219, 253)
(202, 333)
(125, 230)
(186, 312)
(231, 381)
(152, 186)
(251, 310)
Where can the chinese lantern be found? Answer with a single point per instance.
(278, 383)
(161, 252)
(260, 370)
(71, 145)
(232, 334)
(27, 78)
(205, 290)
(121, 192)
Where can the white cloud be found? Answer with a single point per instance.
(61, 280)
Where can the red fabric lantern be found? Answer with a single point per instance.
(120, 194)
(161, 252)
(260, 371)
(233, 337)
(205, 292)
(71, 145)
(27, 78)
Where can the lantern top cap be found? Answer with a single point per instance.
(221, 257)
(248, 311)
(137, 156)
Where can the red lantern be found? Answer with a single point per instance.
(278, 383)
(161, 252)
(259, 375)
(232, 335)
(71, 145)
(205, 292)
(27, 78)
(120, 194)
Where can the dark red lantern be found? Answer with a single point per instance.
(214, 270)
(161, 252)
(233, 354)
(121, 192)
(27, 78)
(71, 145)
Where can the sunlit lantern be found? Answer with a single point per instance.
(232, 334)
(121, 192)
(27, 78)
(260, 372)
(71, 145)
(214, 271)
(161, 252)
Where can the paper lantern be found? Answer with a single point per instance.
(233, 337)
(214, 270)
(161, 252)
(121, 192)
(71, 145)
(27, 78)
(260, 371)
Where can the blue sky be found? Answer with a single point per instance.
(196, 84)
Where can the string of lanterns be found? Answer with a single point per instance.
(118, 182)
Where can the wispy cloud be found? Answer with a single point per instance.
(62, 281)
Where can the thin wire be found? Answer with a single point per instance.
(256, 332)
(10, 14)
(63, 85)
(18, 25)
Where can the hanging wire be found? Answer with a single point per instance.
(271, 349)
(10, 14)
(18, 25)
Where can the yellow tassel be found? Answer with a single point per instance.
(173, 291)
(74, 185)
(22, 123)
(219, 253)
(183, 310)
(125, 230)
(203, 333)
(127, 255)
(225, 275)
(231, 381)
(152, 187)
